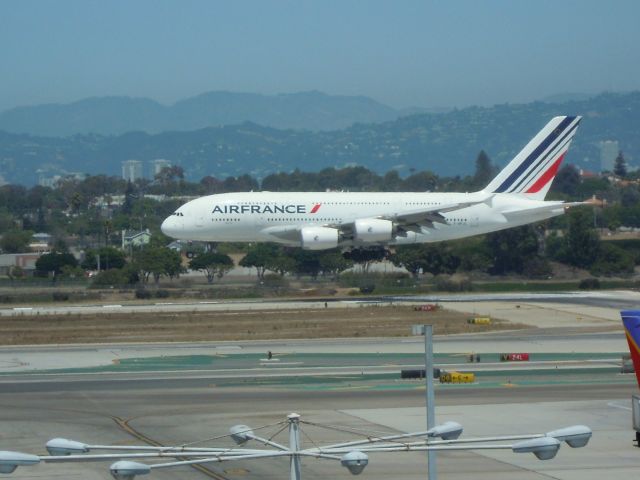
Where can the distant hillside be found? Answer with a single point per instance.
(446, 143)
(118, 115)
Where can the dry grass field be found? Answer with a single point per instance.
(366, 321)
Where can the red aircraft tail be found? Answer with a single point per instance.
(631, 322)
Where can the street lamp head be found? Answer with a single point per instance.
(241, 434)
(576, 436)
(545, 448)
(355, 461)
(446, 431)
(9, 461)
(62, 446)
(126, 470)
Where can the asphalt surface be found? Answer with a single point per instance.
(163, 405)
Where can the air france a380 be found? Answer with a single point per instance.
(325, 220)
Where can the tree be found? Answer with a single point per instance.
(421, 182)
(580, 245)
(54, 262)
(281, 263)
(410, 258)
(129, 198)
(583, 243)
(484, 170)
(15, 241)
(612, 260)
(620, 165)
(433, 258)
(158, 261)
(332, 262)
(366, 256)
(15, 272)
(307, 262)
(168, 175)
(212, 264)
(473, 253)
(110, 257)
(567, 181)
(261, 257)
(511, 248)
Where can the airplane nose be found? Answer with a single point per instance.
(169, 227)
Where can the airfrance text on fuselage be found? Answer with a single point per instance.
(237, 209)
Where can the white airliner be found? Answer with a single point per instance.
(324, 220)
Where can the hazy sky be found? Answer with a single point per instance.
(403, 53)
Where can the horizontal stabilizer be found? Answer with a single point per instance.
(560, 207)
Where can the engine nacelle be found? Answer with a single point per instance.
(319, 238)
(373, 230)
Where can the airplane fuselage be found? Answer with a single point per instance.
(267, 216)
(324, 220)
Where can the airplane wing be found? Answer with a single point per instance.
(403, 222)
(415, 220)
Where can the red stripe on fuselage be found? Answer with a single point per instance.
(546, 176)
(315, 208)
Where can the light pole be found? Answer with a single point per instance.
(294, 446)
(432, 470)
(351, 455)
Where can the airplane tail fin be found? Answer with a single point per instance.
(631, 322)
(531, 171)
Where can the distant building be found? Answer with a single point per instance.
(51, 182)
(132, 170)
(47, 179)
(26, 261)
(587, 174)
(131, 238)
(609, 150)
(157, 165)
(40, 242)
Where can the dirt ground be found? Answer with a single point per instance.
(370, 321)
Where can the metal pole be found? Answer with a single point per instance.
(430, 397)
(294, 446)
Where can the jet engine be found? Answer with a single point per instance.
(373, 230)
(319, 238)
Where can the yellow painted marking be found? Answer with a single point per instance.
(236, 471)
(354, 387)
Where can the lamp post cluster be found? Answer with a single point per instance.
(353, 455)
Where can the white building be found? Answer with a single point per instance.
(157, 165)
(609, 150)
(131, 170)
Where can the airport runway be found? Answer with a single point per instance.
(559, 340)
(124, 394)
(606, 299)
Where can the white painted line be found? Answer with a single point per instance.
(23, 308)
(616, 405)
(112, 306)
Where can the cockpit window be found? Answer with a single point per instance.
(178, 214)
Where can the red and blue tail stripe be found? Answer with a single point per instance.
(631, 322)
(533, 169)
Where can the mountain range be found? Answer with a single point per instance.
(117, 115)
(445, 143)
